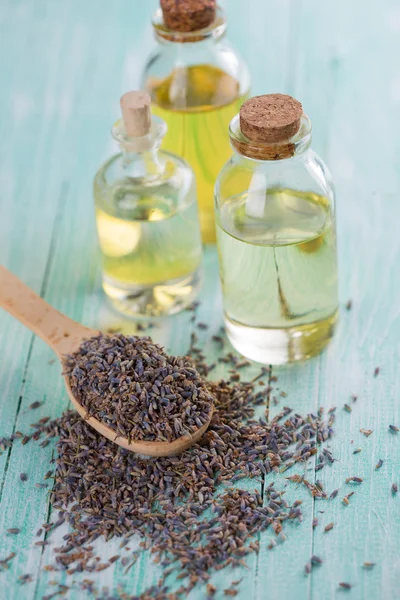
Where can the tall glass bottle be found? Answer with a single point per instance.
(147, 218)
(276, 237)
(197, 83)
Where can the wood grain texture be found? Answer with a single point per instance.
(64, 67)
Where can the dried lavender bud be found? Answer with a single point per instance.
(344, 585)
(366, 432)
(329, 527)
(394, 429)
(22, 579)
(379, 464)
(35, 405)
(211, 590)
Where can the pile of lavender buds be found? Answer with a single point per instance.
(190, 522)
(132, 386)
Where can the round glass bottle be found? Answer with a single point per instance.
(197, 83)
(276, 236)
(147, 218)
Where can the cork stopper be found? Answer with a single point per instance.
(271, 118)
(136, 113)
(188, 15)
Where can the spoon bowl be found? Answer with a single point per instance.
(65, 336)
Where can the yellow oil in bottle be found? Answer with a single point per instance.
(198, 103)
(279, 274)
(150, 247)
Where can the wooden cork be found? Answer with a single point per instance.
(270, 118)
(136, 113)
(188, 15)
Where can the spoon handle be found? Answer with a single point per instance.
(61, 333)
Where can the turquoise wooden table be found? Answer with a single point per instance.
(63, 67)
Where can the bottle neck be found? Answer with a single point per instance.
(141, 156)
(208, 35)
(285, 149)
(142, 165)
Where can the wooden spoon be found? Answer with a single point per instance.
(65, 336)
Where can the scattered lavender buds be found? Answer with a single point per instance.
(131, 385)
(163, 499)
(175, 504)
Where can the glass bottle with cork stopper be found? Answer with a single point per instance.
(147, 218)
(197, 83)
(276, 236)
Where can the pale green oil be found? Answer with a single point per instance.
(279, 273)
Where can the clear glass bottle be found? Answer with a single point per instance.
(147, 218)
(197, 83)
(276, 237)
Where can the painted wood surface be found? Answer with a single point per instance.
(63, 67)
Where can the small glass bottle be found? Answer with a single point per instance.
(147, 218)
(197, 83)
(276, 237)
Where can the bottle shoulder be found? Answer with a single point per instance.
(306, 172)
(168, 170)
(216, 65)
